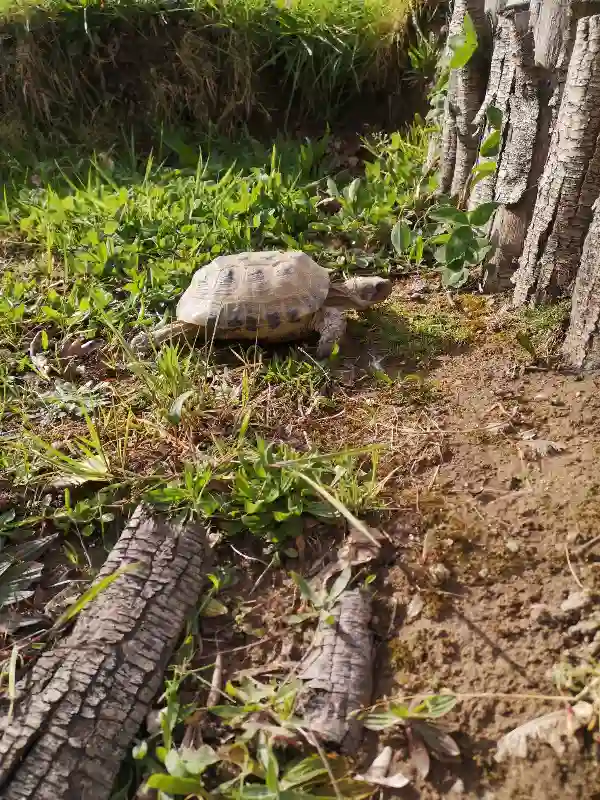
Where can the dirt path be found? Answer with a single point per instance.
(502, 521)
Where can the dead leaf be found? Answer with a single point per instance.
(357, 549)
(498, 428)
(545, 447)
(78, 348)
(377, 772)
(550, 728)
(441, 744)
(415, 607)
(419, 755)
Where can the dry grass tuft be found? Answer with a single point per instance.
(81, 72)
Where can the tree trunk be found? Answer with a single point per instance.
(569, 184)
(521, 93)
(581, 347)
(466, 89)
(81, 705)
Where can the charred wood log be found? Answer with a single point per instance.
(338, 670)
(79, 708)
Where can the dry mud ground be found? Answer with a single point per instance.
(504, 526)
(502, 515)
(496, 478)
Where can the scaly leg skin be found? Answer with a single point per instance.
(330, 323)
(141, 343)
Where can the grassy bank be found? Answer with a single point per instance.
(91, 73)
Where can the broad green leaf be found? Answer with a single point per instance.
(454, 279)
(351, 191)
(481, 171)
(440, 238)
(196, 761)
(440, 254)
(305, 590)
(332, 188)
(226, 712)
(490, 145)
(176, 786)
(140, 751)
(482, 214)
(448, 214)
(380, 720)
(401, 237)
(464, 44)
(494, 117)
(460, 243)
(303, 772)
(439, 704)
(340, 584)
(213, 608)
(175, 765)
(176, 410)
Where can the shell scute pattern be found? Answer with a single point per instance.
(268, 294)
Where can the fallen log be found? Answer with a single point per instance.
(77, 711)
(338, 670)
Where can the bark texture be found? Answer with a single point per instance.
(569, 184)
(338, 671)
(581, 347)
(520, 91)
(81, 705)
(466, 90)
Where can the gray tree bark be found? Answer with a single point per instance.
(338, 670)
(581, 348)
(520, 91)
(79, 708)
(569, 184)
(466, 90)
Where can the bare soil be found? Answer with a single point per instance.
(492, 509)
(505, 521)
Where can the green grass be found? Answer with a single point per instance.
(79, 73)
(113, 247)
(103, 250)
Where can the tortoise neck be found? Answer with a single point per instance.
(343, 296)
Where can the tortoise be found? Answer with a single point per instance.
(271, 296)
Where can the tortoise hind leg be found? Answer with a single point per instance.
(141, 342)
(330, 323)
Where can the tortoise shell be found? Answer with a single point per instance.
(266, 295)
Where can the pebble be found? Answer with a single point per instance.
(439, 573)
(414, 608)
(576, 601)
(586, 626)
(540, 612)
(512, 545)
(458, 787)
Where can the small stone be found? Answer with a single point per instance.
(414, 608)
(539, 612)
(541, 396)
(484, 572)
(512, 545)
(576, 601)
(458, 787)
(439, 573)
(586, 626)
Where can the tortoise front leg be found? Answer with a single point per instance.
(330, 323)
(141, 343)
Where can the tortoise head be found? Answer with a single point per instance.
(359, 293)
